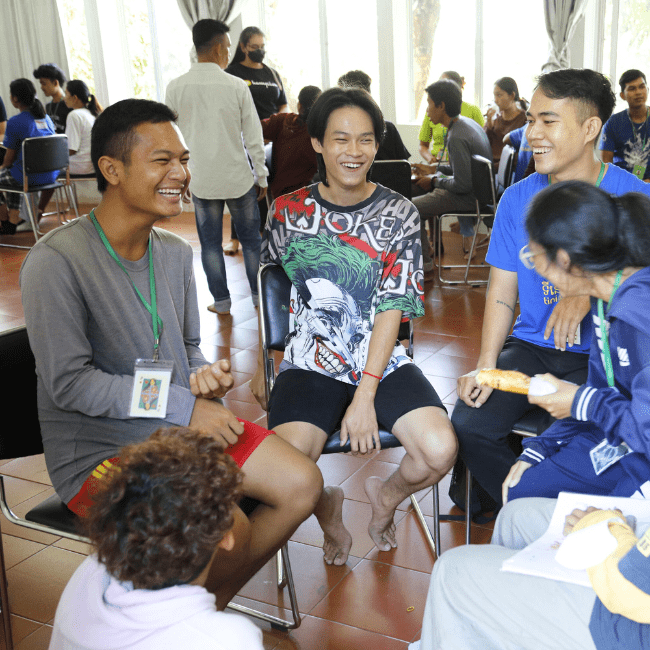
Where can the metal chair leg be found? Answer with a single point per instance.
(432, 541)
(468, 507)
(281, 573)
(4, 603)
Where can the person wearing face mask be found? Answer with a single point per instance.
(264, 83)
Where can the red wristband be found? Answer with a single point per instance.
(365, 372)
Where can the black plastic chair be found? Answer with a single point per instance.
(41, 155)
(486, 202)
(394, 174)
(274, 288)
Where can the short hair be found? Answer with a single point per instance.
(246, 34)
(307, 97)
(454, 76)
(158, 516)
(114, 134)
(330, 101)
(50, 71)
(591, 91)
(356, 78)
(598, 231)
(629, 76)
(447, 91)
(205, 31)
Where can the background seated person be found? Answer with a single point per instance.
(600, 443)
(625, 136)
(156, 525)
(52, 81)
(83, 289)
(473, 605)
(84, 109)
(351, 250)
(451, 192)
(508, 114)
(31, 122)
(391, 146)
(518, 140)
(432, 136)
(293, 159)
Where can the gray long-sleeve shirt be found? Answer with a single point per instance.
(465, 138)
(87, 327)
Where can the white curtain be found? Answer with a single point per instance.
(30, 31)
(195, 10)
(561, 19)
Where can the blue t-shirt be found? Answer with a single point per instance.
(25, 125)
(519, 141)
(630, 144)
(537, 296)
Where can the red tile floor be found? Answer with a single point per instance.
(377, 599)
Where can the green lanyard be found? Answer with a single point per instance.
(151, 308)
(600, 175)
(607, 357)
(645, 137)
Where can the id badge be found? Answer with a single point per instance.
(576, 338)
(604, 455)
(151, 382)
(639, 171)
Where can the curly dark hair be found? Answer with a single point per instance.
(159, 516)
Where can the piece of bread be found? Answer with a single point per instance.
(508, 380)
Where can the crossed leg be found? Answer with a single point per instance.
(431, 447)
(288, 486)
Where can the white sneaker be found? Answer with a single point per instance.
(24, 226)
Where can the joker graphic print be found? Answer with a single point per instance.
(346, 265)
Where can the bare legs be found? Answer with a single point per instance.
(431, 448)
(288, 485)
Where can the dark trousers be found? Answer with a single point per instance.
(483, 432)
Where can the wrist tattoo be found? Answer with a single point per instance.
(500, 302)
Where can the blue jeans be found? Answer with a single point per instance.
(209, 224)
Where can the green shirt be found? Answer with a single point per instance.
(435, 133)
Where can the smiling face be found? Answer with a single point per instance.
(569, 280)
(348, 149)
(561, 141)
(156, 177)
(502, 99)
(635, 93)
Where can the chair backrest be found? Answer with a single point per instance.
(506, 164)
(18, 388)
(483, 181)
(46, 153)
(394, 174)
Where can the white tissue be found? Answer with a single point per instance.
(587, 547)
(539, 387)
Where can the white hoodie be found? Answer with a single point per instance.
(96, 612)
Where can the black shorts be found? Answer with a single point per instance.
(308, 396)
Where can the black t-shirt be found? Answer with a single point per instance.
(392, 147)
(265, 86)
(58, 113)
(3, 112)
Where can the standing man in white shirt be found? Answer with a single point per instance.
(215, 110)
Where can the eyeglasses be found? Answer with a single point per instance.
(527, 257)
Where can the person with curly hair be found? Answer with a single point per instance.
(157, 522)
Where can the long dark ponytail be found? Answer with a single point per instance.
(79, 89)
(25, 92)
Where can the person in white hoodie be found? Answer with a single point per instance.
(156, 524)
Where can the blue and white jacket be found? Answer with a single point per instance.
(620, 413)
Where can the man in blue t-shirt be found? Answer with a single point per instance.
(626, 136)
(518, 140)
(565, 117)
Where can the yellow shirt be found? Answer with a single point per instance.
(435, 133)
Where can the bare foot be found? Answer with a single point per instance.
(382, 526)
(330, 517)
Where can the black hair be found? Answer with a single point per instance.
(205, 31)
(509, 85)
(25, 92)
(356, 78)
(79, 89)
(590, 89)
(336, 98)
(307, 97)
(245, 36)
(599, 232)
(447, 91)
(454, 76)
(50, 71)
(629, 76)
(114, 135)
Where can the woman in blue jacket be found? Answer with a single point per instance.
(587, 242)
